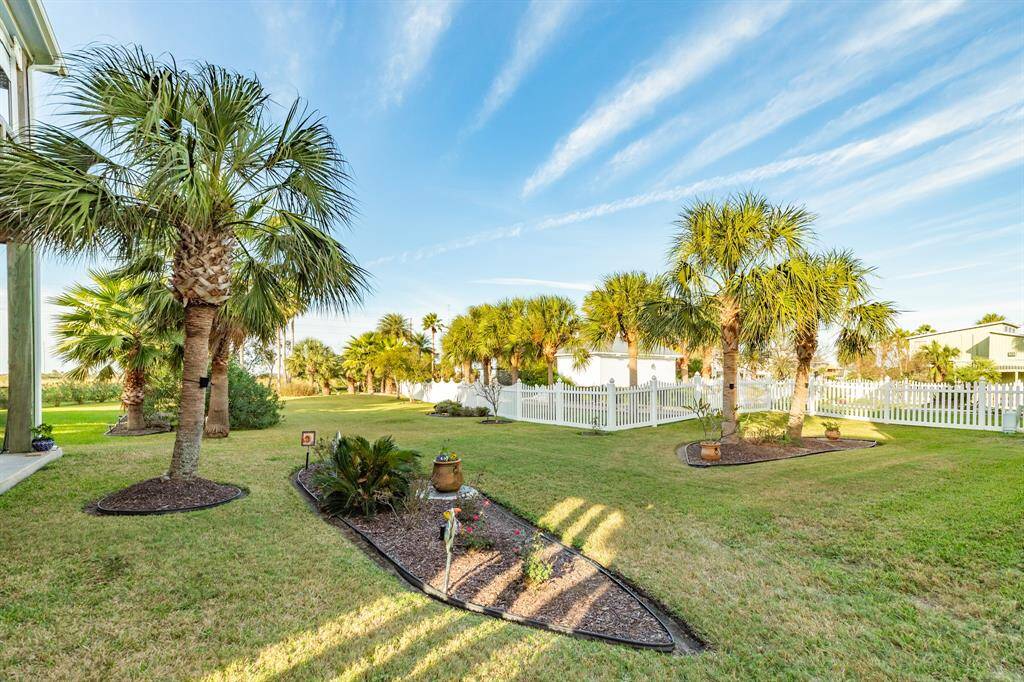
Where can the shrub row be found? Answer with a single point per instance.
(453, 408)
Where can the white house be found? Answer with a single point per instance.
(1001, 342)
(613, 363)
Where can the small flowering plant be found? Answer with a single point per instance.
(446, 455)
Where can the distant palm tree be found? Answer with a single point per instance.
(939, 360)
(552, 324)
(357, 358)
(432, 323)
(460, 346)
(187, 161)
(313, 360)
(689, 329)
(812, 291)
(718, 248)
(509, 321)
(988, 318)
(105, 331)
(394, 326)
(616, 310)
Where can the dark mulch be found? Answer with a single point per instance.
(120, 431)
(159, 496)
(746, 452)
(578, 596)
(442, 415)
(496, 421)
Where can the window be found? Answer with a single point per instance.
(5, 85)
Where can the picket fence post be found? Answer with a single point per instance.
(517, 399)
(981, 415)
(559, 402)
(887, 415)
(654, 401)
(812, 396)
(610, 419)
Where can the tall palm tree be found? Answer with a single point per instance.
(686, 328)
(718, 249)
(552, 324)
(459, 345)
(186, 161)
(105, 331)
(812, 291)
(616, 310)
(394, 326)
(432, 323)
(488, 337)
(358, 355)
(508, 320)
(315, 361)
(939, 360)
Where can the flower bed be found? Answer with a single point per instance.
(504, 567)
(746, 452)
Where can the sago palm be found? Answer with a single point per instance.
(188, 162)
(616, 310)
(715, 254)
(105, 332)
(552, 324)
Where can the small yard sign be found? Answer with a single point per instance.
(307, 440)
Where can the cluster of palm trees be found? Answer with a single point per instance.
(189, 182)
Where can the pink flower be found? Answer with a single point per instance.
(469, 529)
(516, 531)
(487, 503)
(476, 517)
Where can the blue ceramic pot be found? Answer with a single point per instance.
(42, 444)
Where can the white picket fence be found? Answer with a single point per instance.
(613, 408)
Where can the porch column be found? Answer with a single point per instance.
(22, 372)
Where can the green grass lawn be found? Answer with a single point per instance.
(904, 561)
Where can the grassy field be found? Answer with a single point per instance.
(905, 561)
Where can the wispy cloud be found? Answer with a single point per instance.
(527, 282)
(640, 152)
(937, 271)
(540, 26)
(975, 55)
(835, 73)
(638, 95)
(419, 26)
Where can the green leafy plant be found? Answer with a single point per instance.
(450, 407)
(710, 420)
(251, 404)
(357, 476)
(536, 569)
(447, 455)
(830, 425)
(43, 431)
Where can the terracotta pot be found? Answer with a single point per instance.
(711, 451)
(832, 434)
(447, 476)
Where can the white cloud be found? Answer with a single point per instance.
(638, 95)
(641, 151)
(892, 22)
(539, 27)
(973, 56)
(938, 271)
(527, 282)
(835, 74)
(420, 25)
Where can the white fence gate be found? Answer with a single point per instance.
(613, 408)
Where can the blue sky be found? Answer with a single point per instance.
(517, 148)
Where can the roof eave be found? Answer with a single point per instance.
(27, 20)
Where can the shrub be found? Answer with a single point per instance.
(359, 477)
(830, 425)
(251, 405)
(297, 388)
(481, 412)
(80, 392)
(536, 569)
(450, 407)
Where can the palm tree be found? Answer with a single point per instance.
(812, 291)
(988, 318)
(106, 332)
(487, 336)
(394, 326)
(939, 360)
(432, 323)
(185, 161)
(357, 357)
(459, 345)
(509, 322)
(687, 329)
(552, 324)
(718, 248)
(616, 310)
(313, 360)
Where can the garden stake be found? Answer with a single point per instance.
(450, 531)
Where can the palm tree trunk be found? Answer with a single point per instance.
(133, 397)
(368, 388)
(218, 422)
(514, 361)
(806, 344)
(467, 371)
(683, 365)
(433, 354)
(634, 352)
(350, 385)
(189, 438)
(487, 370)
(730, 355)
(550, 359)
(705, 362)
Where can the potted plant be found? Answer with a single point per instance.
(711, 423)
(446, 476)
(831, 429)
(42, 437)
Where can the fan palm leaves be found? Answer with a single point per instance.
(189, 162)
(394, 326)
(553, 324)
(617, 310)
(939, 360)
(357, 358)
(715, 257)
(432, 323)
(314, 360)
(103, 329)
(460, 346)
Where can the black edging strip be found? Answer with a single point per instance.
(711, 465)
(504, 615)
(156, 512)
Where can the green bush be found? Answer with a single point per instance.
(359, 477)
(251, 405)
(80, 392)
(450, 407)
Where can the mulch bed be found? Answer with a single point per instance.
(580, 597)
(442, 415)
(163, 496)
(746, 452)
(120, 431)
(496, 421)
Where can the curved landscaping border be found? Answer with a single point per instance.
(442, 415)
(692, 645)
(241, 492)
(682, 452)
